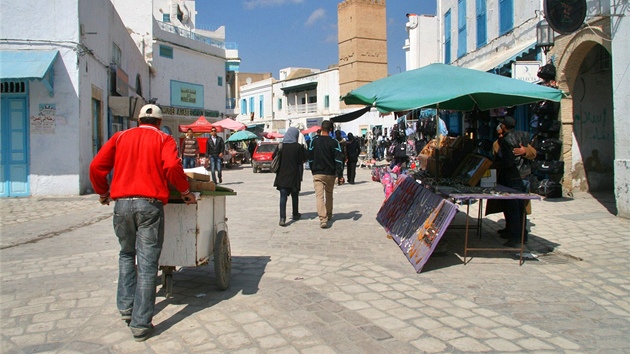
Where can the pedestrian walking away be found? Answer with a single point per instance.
(214, 155)
(190, 150)
(326, 162)
(144, 160)
(289, 176)
(353, 150)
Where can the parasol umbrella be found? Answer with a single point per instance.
(231, 124)
(201, 125)
(312, 129)
(242, 135)
(448, 87)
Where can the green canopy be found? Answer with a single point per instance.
(242, 135)
(448, 87)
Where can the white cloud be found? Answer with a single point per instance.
(252, 4)
(315, 16)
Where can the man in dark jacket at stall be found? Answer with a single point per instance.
(326, 161)
(512, 164)
(353, 149)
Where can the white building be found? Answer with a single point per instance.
(422, 46)
(59, 78)
(192, 70)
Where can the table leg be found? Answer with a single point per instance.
(479, 214)
(520, 261)
(466, 239)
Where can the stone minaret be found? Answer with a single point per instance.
(362, 43)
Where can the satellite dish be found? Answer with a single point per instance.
(248, 80)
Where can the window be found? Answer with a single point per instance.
(482, 36)
(251, 104)
(116, 54)
(312, 99)
(447, 37)
(326, 101)
(461, 28)
(243, 106)
(166, 51)
(220, 81)
(166, 17)
(279, 104)
(506, 16)
(261, 106)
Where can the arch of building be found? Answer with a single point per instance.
(570, 52)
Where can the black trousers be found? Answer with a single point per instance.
(352, 170)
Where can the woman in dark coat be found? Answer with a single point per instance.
(289, 176)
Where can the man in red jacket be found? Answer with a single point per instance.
(144, 160)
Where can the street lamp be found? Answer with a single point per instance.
(544, 36)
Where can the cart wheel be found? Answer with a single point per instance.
(222, 260)
(167, 281)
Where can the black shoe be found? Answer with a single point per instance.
(297, 216)
(510, 244)
(144, 336)
(504, 235)
(282, 222)
(220, 179)
(503, 231)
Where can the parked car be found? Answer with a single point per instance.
(261, 159)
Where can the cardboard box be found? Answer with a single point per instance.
(198, 176)
(472, 169)
(489, 179)
(198, 186)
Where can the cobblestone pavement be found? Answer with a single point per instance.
(302, 289)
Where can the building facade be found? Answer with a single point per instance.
(193, 71)
(494, 35)
(59, 79)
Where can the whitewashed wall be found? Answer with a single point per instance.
(621, 103)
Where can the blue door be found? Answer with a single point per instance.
(14, 147)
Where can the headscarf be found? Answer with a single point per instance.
(291, 136)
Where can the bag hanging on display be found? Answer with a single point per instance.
(548, 126)
(551, 148)
(275, 163)
(400, 150)
(547, 72)
(550, 167)
(550, 189)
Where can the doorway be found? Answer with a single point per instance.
(14, 143)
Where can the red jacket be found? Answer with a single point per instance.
(144, 160)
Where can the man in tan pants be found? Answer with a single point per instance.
(326, 162)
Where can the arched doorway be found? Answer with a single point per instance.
(593, 123)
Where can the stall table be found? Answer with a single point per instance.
(499, 192)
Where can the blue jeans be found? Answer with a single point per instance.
(189, 161)
(139, 226)
(284, 196)
(216, 163)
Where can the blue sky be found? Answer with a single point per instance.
(275, 34)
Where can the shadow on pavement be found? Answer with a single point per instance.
(196, 288)
(450, 249)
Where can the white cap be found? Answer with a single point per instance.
(150, 111)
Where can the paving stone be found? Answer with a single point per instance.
(502, 345)
(259, 329)
(234, 341)
(429, 345)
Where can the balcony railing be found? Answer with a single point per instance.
(302, 108)
(182, 32)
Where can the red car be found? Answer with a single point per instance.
(261, 159)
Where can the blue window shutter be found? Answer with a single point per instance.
(243, 106)
(506, 16)
(482, 36)
(262, 105)
(447, 37)
(251, 104)
(461, 28)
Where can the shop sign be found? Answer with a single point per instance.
(186, 94)
(565, 16)
(188, 112)
(526, 71)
